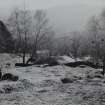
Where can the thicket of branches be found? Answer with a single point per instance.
(31, 31)
(91, 42)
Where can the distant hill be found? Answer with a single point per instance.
(6, 40)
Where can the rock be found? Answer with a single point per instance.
(95, 74)
(8, 89)
(82, 66)
(10, 77)
(67, 80)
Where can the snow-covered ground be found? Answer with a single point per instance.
(43, 86)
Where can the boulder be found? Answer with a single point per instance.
(10, 77)
(67, 80)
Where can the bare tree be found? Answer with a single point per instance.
(41, 30)
(19, 24)
(97, 38)
(14, 27)
(94, 38)
(48, 42)
(75, 45)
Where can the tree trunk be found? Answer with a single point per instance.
(32, 57)
(24, 54)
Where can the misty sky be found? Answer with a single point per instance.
(79, 10)
(34, 4)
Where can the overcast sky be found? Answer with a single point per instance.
(34, 4)
(79, 10)
(7, 5)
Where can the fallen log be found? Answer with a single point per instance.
(85, 63)
(23, 65)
